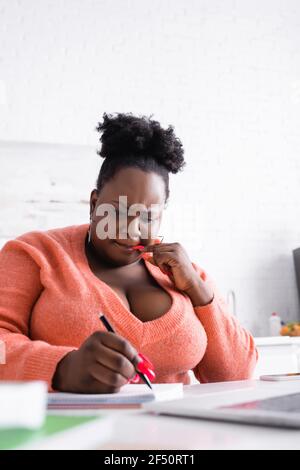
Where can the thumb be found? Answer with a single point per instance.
(149, 257)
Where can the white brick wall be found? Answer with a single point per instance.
(225, 73)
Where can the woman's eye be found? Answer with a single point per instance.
(146, 217)
(121, 212)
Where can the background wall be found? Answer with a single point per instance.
(225, 73)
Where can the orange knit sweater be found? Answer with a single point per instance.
(50, 301)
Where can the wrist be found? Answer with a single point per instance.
(60, 379)
(199, 293)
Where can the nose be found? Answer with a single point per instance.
(134, 230)
(130, 229)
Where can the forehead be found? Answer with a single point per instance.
(139, 186)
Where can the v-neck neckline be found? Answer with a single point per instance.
(172, 316)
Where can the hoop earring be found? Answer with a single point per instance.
(90, 232)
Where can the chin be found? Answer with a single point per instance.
(115, 256)
(121, 261)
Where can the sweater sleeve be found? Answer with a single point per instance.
(231, 353)
(20, 287)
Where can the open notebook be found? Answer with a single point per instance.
(129, 395)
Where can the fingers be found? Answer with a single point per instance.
(107, 377)
(166, 256)
(119, 344)
(148, 257)
(157, 247)
(163, 260)
(161, 247)
(109, 363)
(154, 253)
(163, 267)
(115, 362)
(104, 363)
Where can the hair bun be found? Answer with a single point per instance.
(126, 134)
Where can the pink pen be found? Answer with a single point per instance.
(141, 247)
(138, 247)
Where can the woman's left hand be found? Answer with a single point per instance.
(173, 260)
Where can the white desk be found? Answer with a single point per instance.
(138, 430)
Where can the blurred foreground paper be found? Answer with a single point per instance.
(22, 404)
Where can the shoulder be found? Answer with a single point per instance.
(60, 235)
(44, 242)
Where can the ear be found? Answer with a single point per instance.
(93, 200)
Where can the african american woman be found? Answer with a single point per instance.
(166, 311)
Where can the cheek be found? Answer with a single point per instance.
(103, 246)
(105, 228)
(154, 228)
(150, 231)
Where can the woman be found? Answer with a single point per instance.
(55, 283)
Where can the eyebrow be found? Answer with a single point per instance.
(118, 202)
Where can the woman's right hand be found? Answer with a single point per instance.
(103, 364)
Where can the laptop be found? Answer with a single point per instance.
(279, 411)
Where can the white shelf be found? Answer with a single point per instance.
(277, 340)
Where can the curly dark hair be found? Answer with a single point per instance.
(138, 141)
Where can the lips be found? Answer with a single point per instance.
(126, 247)
(138, 247)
